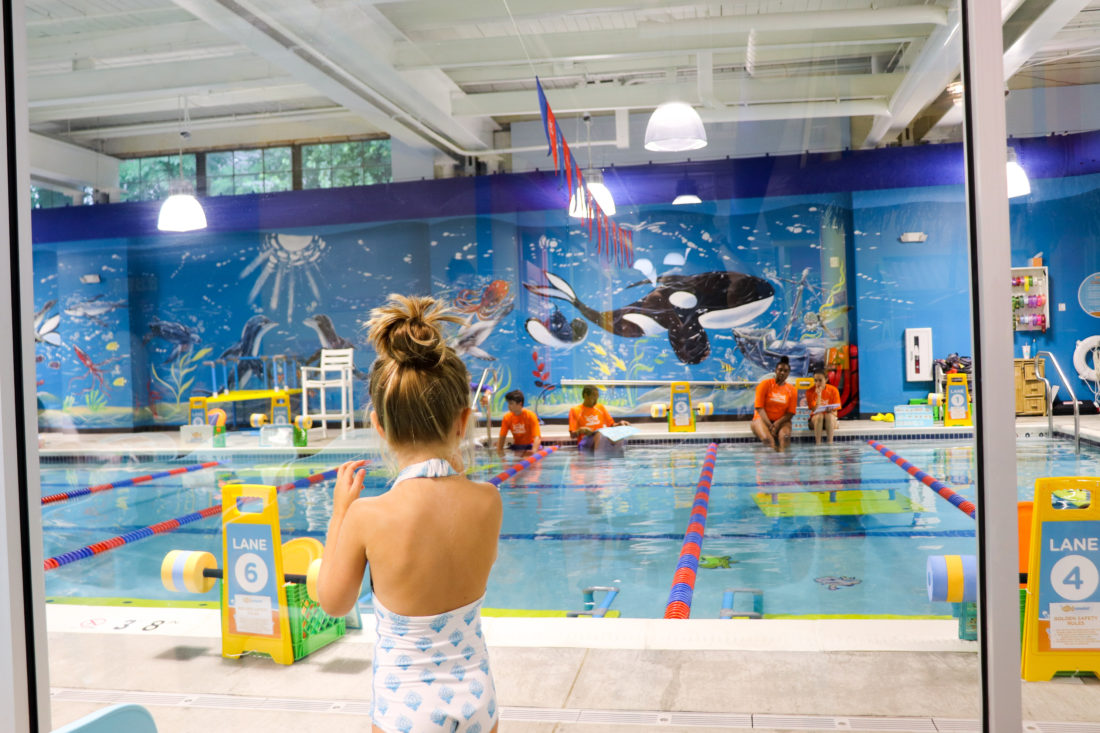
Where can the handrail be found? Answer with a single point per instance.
(1050, 400)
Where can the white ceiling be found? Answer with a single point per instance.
(116, 75)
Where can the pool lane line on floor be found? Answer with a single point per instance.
(67, 495)
(683, 580)
(961, 503)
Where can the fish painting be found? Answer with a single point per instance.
(681, 306)
(248, 348)
(93, 308)
(45, 325)
(834, 582)
(180, 336)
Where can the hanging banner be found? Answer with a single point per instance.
(598, 223)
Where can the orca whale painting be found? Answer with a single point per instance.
(683, 306)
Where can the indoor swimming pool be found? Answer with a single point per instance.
(824, 531)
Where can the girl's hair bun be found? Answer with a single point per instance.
(409, 330)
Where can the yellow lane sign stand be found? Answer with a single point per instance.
(681, 418)
(254, 603)
(957, 394)
(1062, 612)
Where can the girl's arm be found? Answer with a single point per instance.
(345, 557)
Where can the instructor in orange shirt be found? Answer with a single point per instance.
(587, 418)
(776, 403)
(522, 423)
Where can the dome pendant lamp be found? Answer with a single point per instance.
(593, 180)
(181, 212)
(675, 127)
(1018, 183)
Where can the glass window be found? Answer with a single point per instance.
(152, 178)
(352, 163)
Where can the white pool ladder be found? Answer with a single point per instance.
(1050, 401)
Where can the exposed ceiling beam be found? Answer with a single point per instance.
(101, 86)
(1026, 32)
(171, 127)
(612, 68)
(150, 39)
(267, 94)
(795, 111)
(625, 44)
(919, 15)
(310, 65)
(416, 14)
(598, 97)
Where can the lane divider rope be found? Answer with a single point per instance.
(525, 463)
(961, 503)
(683, 581)
(215, 509)
(76, 493)
(168, 525)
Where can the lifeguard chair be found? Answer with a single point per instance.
(335, 373)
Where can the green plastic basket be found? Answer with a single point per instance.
(310, 627)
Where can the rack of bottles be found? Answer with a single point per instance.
(1030, 299)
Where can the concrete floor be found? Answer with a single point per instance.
(569, 675)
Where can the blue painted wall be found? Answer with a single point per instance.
(821, 230)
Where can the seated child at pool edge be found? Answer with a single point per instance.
(431, 538)
(522, 423)
(587, 418)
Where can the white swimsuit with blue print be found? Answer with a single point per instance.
(431, 673)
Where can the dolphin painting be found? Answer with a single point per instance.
(45, 325)
(682, 306)
(326, 332)
(248, 348)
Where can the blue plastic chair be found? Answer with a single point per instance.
(127, 717)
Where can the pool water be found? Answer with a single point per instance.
(823, 531)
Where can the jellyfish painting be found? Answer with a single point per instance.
(287, 257)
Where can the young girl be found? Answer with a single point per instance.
(431, 539)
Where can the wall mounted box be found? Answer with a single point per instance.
(918, 354)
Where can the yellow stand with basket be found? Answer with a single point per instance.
(957, 399)
(1062, 613)
(681, 418)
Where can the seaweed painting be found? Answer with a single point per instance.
(179, 378)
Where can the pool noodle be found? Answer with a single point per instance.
(683, 581)
(964, 505)
(167, 525)
(67, 495)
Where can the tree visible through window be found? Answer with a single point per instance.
(248, 171)
(352, 163)
(151, 179)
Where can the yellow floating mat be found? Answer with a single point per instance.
(846, 502)
(250, 394)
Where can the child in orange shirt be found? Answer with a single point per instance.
(823, 401)
(587, 418)
(522, 423)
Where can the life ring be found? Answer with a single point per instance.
(1080, 358)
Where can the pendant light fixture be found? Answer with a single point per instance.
(675, 127)
(593, 178)
(686, 193)
(181, 211)
(1018, 183)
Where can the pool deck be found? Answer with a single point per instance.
(568, 675)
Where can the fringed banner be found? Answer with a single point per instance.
(612, 240)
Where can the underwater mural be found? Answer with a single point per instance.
(129, 322)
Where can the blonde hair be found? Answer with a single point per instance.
(417, 383)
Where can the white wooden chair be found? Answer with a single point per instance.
(335, 372)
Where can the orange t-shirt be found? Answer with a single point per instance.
(829, 396)
(524, 427)
(776, 399)
(589, 417)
